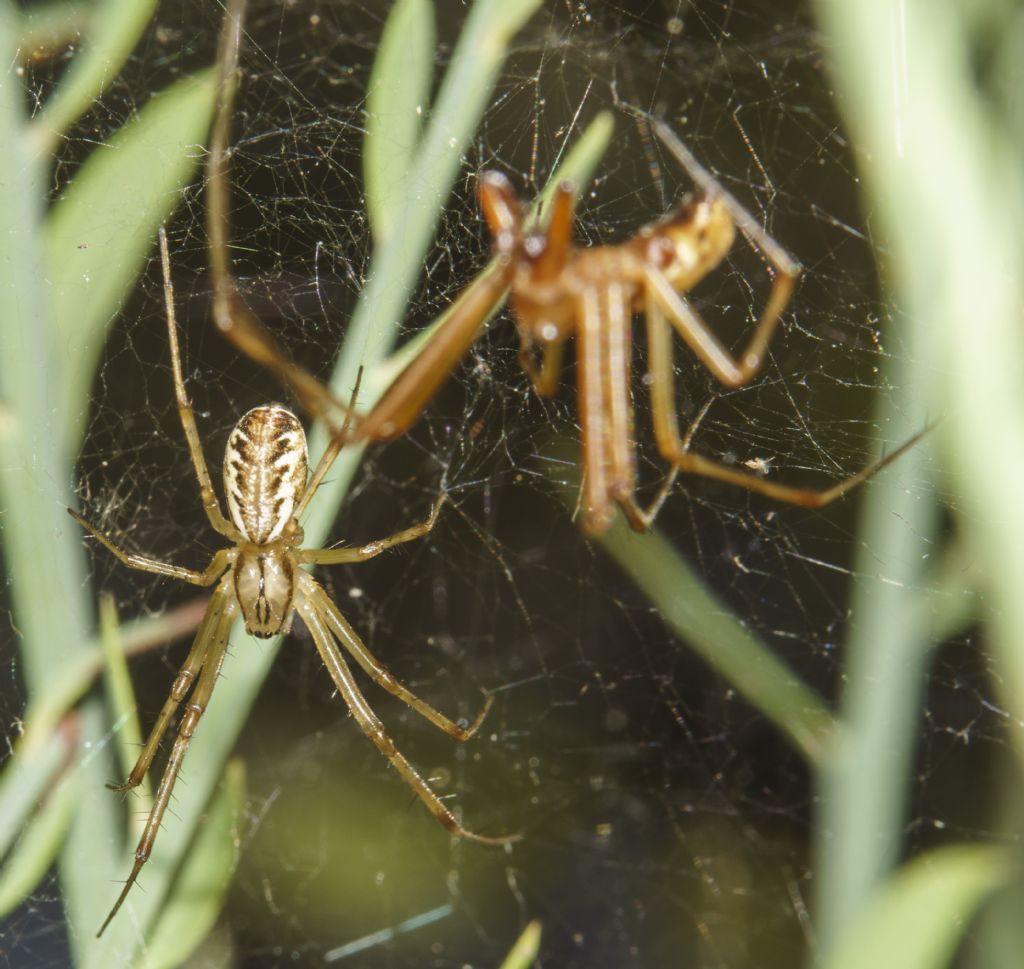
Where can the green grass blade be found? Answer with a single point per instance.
(918, 917)
(114, 28)
(99, 231)
(22, 784)
(70, 685)
(47, 27)
(397, 101)
(43, 555)
(198, 892)
(121, 697)
(40, 841)
(942, 182)
(524, 951)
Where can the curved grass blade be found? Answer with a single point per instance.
(917, 918)
(39, 844)
(397, 101)
(99, 231)
(197, 894)
(113, 29)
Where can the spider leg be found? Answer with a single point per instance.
(233, 318)
(327, 459)
(338, 556)
(605, 409)
(676, 450)
(545, 269)
(348, 637)
(729, 371)
(594, 427)
(208, 576)
(502, 212)
(639, 517)
(371, 725)
(188, 420)
(182, 684)
(618, 339)
(216, 649)
(413, 388)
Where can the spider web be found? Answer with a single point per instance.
(665, 821)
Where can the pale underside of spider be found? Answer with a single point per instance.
(260, 578)
(558, 290)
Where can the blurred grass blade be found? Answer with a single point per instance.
(382, 937)
(44, 559)
(397, 101)
(524, 950)
(918, 917)
(22, 784)
(121, 698)
(40, 841)
(38, 755)
(77, 676)
(99, 231)
(197, 894)
(706, 624)
(395, 268)
(711, 630)
(943, 186)
(578, 165)
(113, 29)
(45, 28)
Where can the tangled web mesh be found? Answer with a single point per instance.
(666, 822)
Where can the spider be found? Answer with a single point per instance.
(557, 290)
(261, 578)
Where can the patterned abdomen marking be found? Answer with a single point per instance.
(265, 471)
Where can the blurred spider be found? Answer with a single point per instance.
(558, 290)
(261, 578)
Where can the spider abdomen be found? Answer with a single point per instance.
(265, 472)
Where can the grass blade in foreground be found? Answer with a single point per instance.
(941, 175)
(917, 918)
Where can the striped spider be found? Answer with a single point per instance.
(260, 577)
